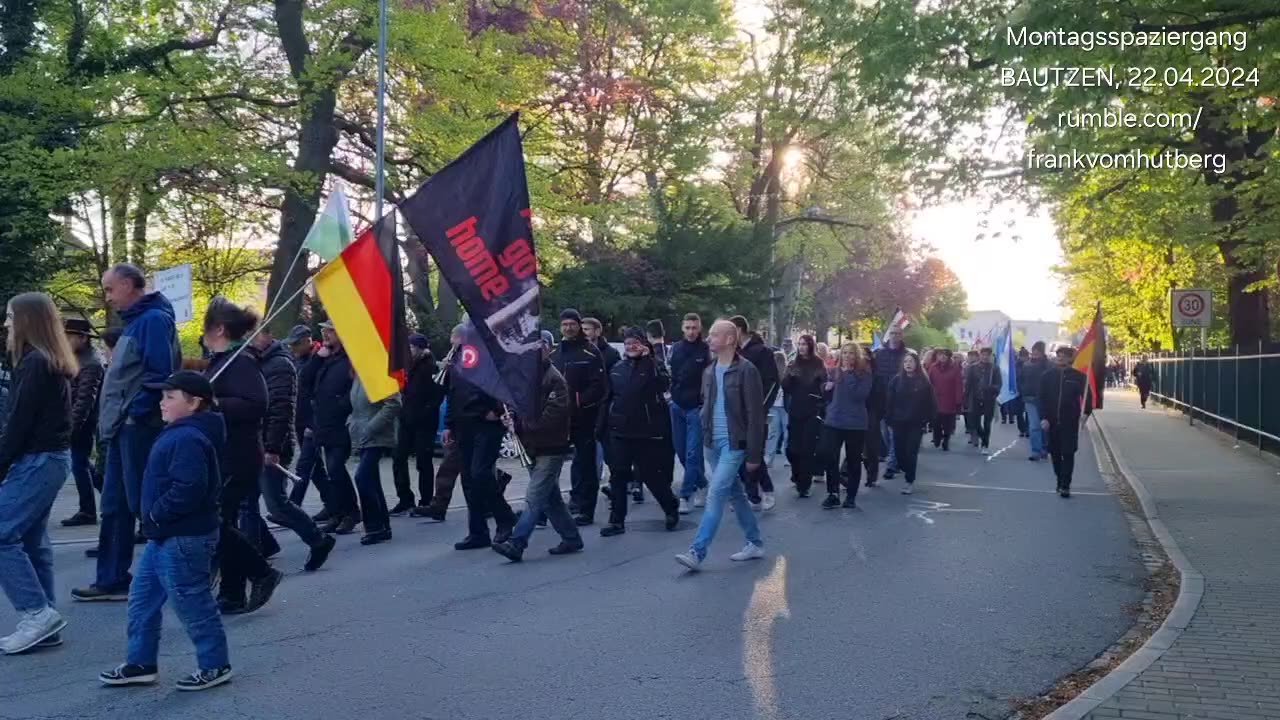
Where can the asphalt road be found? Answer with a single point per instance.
(942, 605)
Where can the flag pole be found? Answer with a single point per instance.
(382, 108)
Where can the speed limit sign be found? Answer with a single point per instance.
(1192, 308)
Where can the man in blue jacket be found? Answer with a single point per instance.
(688, 360)
(129, 420)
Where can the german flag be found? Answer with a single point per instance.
(363, 292)
(1091, 359)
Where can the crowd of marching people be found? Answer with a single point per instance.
(191, 449)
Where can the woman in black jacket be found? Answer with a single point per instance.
(802, 395)
(34, 462)
(638, 428)
(241, 394)
(909, 404)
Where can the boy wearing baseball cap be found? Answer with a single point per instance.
(179, 507)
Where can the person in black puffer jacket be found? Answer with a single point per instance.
(241, 394)
(909, 404)
(583, 368)
(753, 349)
(331, 405)
(802, 388)
(276, 363)
(638, 427)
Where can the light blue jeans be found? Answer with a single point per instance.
(1033, 421)
(176, 570)
(26, 557)
(724, 487)
(686, 435)
(777, 423)
(886, 446)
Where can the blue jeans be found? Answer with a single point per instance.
(284, 511)
(310, 468)
(26, 557)
(121, 489)
(777, 420)
(1032, 406)
(724, 487)
(686, 435)
(373, 501)
(542, 498)
(178, 569)
(886, 447)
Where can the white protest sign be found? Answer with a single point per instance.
(175, 284)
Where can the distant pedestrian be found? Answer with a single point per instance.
(947, 380)
(84, 419)
(733, 415)
(803, 394)
(981, 387)
(909, 406)
(180, 490)
(419, 423)
(888, 362)
(846, 423)
(34, 462)
(1061, 398)
(1143, 377)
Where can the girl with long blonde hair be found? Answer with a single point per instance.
(35, 459)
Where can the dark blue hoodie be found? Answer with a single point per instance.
(147, 352)
(182, 482)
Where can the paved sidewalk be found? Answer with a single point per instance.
(1220, 505)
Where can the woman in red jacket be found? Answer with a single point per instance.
(948, 391)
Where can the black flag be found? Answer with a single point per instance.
(473, 217)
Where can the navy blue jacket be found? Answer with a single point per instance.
(182, 480)
(688, 361)
(636, 406)
(331, 399)
(304, 416)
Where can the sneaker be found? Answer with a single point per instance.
(374, 538)
(612, 529)
(262, 589)
(401, 508)
(33, 627)
(802, 493)
(91, 552)
(769, 501)
(908, 489)
(689, 560)
(985, 451)
(700, 498)
(1064, 492)
(80, 519)
(750, 551)
(204, 679)
(889, 474)
(320, 553)
(127, 674)
(347, 525)
(946, 446)
(757, 505)
(1034, 458)
(684, 508)
(431, 512)
(472, 542)
(850, 503)
(673, 521)
(565, 548)
(832, 501)
(871, 482)
(54, 640)
(93, 593)
(509, 550)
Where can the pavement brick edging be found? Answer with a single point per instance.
(1189, 595)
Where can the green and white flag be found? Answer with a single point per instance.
(331, 231)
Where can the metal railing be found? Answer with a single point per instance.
(1239, 392)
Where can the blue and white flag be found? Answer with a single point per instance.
(1007, 361)
(875, 341)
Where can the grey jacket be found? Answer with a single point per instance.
(372, 425)
(147, 352)
(744, 407)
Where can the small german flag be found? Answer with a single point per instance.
(1091, 359)
(363, 292)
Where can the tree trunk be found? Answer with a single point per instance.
(447, 306)
(118, 205)
(147, 199)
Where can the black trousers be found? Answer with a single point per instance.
(238, 559)
(853, 442)
(643, 460)
(1144, 391)
(479, 443)
(342, 490)
(906, 446)
(944, 426)
(803, 435)
(982, 425)
(1062, 449)
(419, 440)
(584, 481)
(758, 481)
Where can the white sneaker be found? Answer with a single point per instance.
(700, 498)
(689, 560)
(34, 627)
(749, 551)
(986, 451)
(907, 490)
(684, 508)
(769, 501)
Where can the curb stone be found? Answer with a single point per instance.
(1190, 592)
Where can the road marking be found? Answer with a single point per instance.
(921, 509)
(768, 605)
(1010, 489)
(1001, 451)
